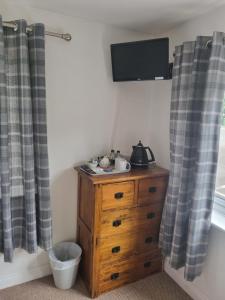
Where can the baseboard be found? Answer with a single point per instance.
(191, 289)
(25, 276)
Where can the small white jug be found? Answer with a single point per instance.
(121, 164)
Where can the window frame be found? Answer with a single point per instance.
(219, 203)
(218, 213)
(219, 198)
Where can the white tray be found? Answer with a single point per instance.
(99, 171)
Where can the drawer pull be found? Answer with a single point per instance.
(116, 249)
(118, 195)
(147, 264)
(114, 276)
(149, 240)
(151, 215)
(152, 189)
(116, 223)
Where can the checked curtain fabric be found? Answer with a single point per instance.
(196, 109)
(25, 216)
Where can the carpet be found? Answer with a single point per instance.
(155, 287)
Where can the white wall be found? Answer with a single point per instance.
(81, 107)
(144, 113)
(210, 285)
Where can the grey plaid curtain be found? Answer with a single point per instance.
(196, 108)
(25, 216)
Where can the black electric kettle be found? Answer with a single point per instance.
(139, 157)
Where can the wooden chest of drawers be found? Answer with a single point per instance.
(118, 225)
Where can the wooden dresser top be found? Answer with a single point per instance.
(155, 171)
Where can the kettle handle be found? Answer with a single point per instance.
(152, 155)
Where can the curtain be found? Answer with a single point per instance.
(198, 87)
(25, 215)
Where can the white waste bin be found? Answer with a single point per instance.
(64, 259)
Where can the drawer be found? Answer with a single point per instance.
(117, 195)
(133, 219)
(123, 246)
(121, 272)
(149, 265)
(152, 190)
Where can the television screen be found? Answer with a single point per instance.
(142, 60)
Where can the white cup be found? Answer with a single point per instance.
(122, 164)
(92, 164)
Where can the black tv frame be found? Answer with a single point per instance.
(169, 73)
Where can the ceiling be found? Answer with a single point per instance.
(150, 16)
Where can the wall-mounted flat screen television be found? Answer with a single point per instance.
(141, 60)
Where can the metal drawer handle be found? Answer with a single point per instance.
(114, 276)
(151, 215)
(147, 264)
(118, 195)
(152, 189)
(116, 223)
(116, 249)
(149, 240)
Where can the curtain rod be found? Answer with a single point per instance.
(65, 36)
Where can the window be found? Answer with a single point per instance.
(220, 179)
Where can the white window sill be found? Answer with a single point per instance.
(218, 214)
(218, 220)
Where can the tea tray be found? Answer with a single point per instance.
(99, 171)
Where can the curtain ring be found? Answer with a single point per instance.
(208, 44)
(28, 29)
(15, 27)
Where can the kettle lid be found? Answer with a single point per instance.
(139, 144)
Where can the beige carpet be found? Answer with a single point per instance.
(156, 287)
